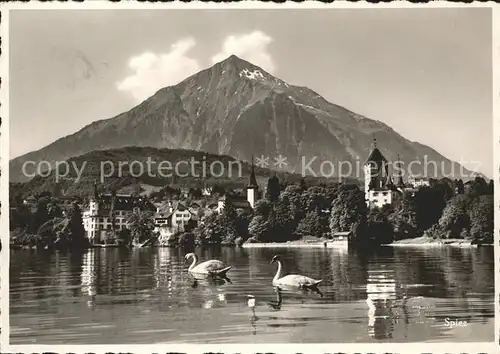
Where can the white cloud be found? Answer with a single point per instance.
(153, 71)
(251, 47)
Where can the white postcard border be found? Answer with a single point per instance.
(467, 347)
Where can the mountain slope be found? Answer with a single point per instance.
(235, 108)
(96, 167)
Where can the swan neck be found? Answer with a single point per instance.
(195, 259)
(278, 272)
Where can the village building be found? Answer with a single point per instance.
(98, 217)
(418, 182)
(242, 202)
(175, 217)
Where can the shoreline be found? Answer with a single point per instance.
(413, 242)
(428, 242)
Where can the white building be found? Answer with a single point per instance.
(97, 217)
(380, 189)
(172, 219)
(418, 182)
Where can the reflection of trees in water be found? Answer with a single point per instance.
(348, 274)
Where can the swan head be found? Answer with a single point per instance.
(275, 258)
(188, 256)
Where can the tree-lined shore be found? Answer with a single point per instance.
(447, 209)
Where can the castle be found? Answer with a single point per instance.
(380, 188)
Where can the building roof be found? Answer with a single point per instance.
(342, 233)
(252, 180)
(241, 204)
(375, 157)
(122, 203)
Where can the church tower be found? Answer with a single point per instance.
(252, 188)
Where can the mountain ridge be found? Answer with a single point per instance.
(237, 109)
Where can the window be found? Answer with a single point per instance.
(384, 193)
(385, 200)
(375, 194)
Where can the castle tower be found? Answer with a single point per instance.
(376, 169)
(252, 188)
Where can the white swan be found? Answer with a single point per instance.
(211, 267)
(293, 280)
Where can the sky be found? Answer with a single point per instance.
(427, 73)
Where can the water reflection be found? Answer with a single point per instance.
(381, 296)
(88, 277)
(276, 305)
(400, 294)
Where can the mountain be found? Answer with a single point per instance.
(97, 164)
(237, 109)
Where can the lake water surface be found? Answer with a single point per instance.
(145, 296)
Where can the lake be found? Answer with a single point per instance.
(146, 296)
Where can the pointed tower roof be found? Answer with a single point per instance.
(398, 179)
(375, 156)
(252, 181)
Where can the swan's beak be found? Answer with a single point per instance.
(272, 261)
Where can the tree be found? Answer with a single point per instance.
(455, 218)
(404, 217)
(459, 187)
(52, 232)
(349, 211)
(313, 224)
(210, 232)
(243, 219)
(313, 199)
(258, 228)
(429, 203)
(20, 217)
(76, 229)
(124, 237)
(41, 215)
(303, 184)
(481, 219)
(379, 228)
(478, 187)
(227, 220)
(53, 209)
(273, 189)
(141, 224)
(282, 222)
